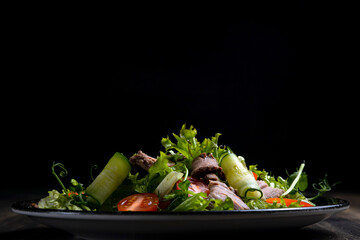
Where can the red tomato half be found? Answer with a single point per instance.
(196, 186)
(141, 202)
(255, 175)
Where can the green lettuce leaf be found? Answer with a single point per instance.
(261, 204)
(180, 195)
(220, 205)
(278, 182)
(282, 183)
(302, 184)
(59, 201)
(197, 202)
(157, 172)
(188, 145)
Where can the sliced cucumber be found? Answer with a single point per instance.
(239, 177)
(168, 183)
(110, 178)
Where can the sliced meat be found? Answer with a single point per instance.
(211, 176)
(203, 165)
(262, 184)
(143, 160)
(197, 185)
(219, 190)
(269, 192)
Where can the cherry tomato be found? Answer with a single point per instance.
(141, 202)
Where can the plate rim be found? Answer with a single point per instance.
(20, 208)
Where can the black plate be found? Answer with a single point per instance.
(114, 224)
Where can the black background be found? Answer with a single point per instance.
(83, 89)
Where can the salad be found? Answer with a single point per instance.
(188, 175)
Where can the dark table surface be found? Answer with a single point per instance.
(343, 225)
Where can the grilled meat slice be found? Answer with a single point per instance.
(269, 192)
(143, 160)
(219, 190)
(203, 165)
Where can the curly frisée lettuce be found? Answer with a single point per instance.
(296, 182)
(188, 145)
(71, 198)
(180, 200)
(293, 185)
(58, 201)
(273, 182)
(279, 203)
(199, 202)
